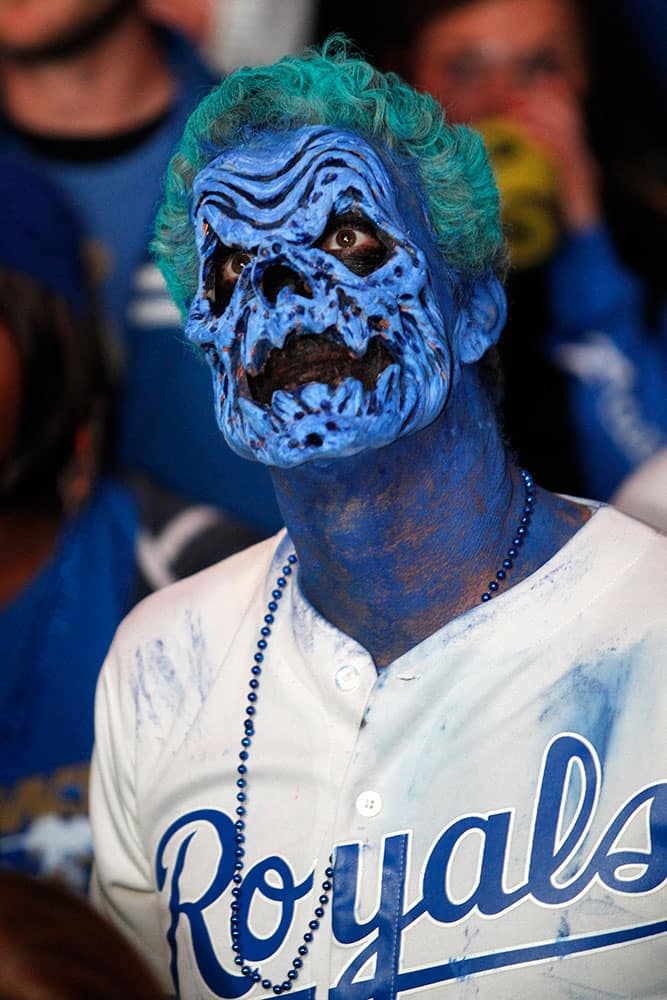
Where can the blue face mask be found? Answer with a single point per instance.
(326, 323)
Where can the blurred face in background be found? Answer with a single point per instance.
(29, 26)
(479, 58)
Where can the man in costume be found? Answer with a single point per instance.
(416, 741)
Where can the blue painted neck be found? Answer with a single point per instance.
(396, 542)
(383, 536)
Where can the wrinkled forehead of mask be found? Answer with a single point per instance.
(289, 183)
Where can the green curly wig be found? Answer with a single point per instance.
(334, 86)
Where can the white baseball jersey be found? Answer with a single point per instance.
(496, 797)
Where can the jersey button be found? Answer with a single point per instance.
(369, 803)
(347, 678)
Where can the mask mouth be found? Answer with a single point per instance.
(305, 358)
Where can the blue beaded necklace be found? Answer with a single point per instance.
(241, 810)
(517, 541)
(292, 975)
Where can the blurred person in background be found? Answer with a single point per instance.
(231, 33)
(77, 548)
(97, 97)
(643, 493)
(585, 352)
(55, 946)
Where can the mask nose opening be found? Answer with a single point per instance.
(279, 276)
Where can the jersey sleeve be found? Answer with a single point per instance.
(122, 884)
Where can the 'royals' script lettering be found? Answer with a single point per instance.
(556, 874)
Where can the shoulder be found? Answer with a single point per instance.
(616, 543)
(167, 653)
(218, 592)
(612, 575)
(606, 582)
(636, 538)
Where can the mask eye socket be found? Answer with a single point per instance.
(225, 266)
(356, 242)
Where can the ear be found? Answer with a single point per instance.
(481, 319)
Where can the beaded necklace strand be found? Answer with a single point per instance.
(519, 535)
(241, 811)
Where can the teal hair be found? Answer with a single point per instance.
(336, 87)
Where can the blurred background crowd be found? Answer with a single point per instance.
(114, 479)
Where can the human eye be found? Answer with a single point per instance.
(226, 265)
(355, 242)
(232, 266)
(463, 68)
(544, 64)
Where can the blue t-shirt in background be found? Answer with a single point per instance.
(53, 639)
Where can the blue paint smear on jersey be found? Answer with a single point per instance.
(589, 698)
(202, 666)
(141, 692)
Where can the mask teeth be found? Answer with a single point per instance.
(265, 332)
(387, 387)
(312, 395)
(283, 404)
(347, 398)
(355, 335)
(254, 357)
(254, 419)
